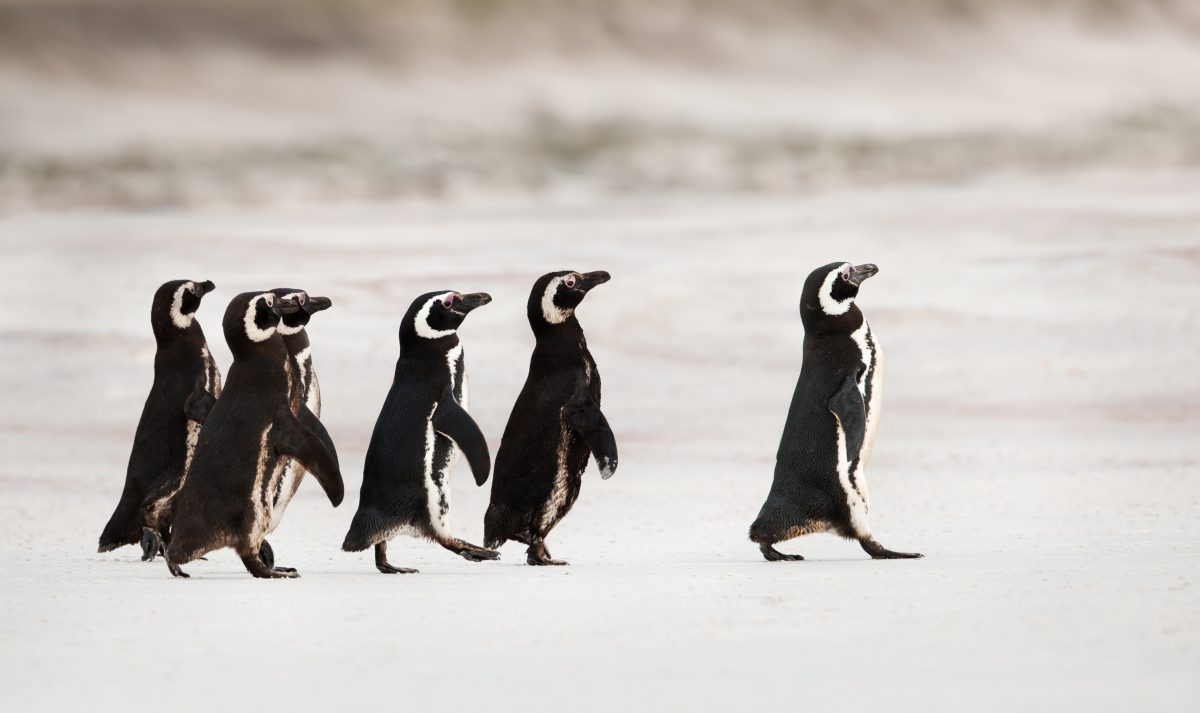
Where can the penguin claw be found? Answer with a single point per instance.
(536, 562)
(285, 570)
(389, 569)
(479, 555)
(771, 554)
(890, 555)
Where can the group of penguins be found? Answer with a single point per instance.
(215, 465)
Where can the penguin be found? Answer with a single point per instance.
(420, 430)
(228, 499)
(186, 384)
(303, 389)
(820, 480)
(555, 424)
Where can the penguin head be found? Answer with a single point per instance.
(294, 322)
(175, 305)
(829, 293)
(556, 295)
(253, 318)
(437, 315)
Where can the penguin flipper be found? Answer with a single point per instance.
(294, 440)
(312, 423)
(851, 412)
(452, 421)
(198, 404)
(585, 418)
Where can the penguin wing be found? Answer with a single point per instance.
(294, 440)
(585, 418)
(452, 421)
(851, 412)
(198, 403)
(312, 423)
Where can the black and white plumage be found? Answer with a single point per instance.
(555, 425)
(186, 384)
(820, 480)
(420, 430)
(251, 432)
(304, 389)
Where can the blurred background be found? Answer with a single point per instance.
(148, 104)
(1024, 172)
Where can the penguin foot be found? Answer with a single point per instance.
(771, 554)
(879, 552)
(530, 559)
(382, 564)
(469, 552)
(254, 565)
(266, 553)
(176, 570)
(538, 555)
(152, 545)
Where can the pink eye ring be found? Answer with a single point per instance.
(569, 281)
(448, 301)
(845, 272)
(269, 299)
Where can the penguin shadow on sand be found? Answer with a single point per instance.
(820, 469)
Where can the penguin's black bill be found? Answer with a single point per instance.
(316, 304)
(466, 303)
(203, 288)
(862, 272)
(285, 307)
(588, 280)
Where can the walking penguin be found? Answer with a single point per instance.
(820, 480)
(554, 426)
(421, 428)
(303, 389)
(229, 498)
(186, 385)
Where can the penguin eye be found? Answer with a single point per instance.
(845, 272)
(569, 281)
(448, 301)
(269, 299)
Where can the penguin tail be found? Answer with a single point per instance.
(496, 526)
(124, 527)
(364, 530)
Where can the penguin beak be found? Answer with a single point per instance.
(316, 304)
(283, 307)
(466, 303)
(203, 288)
(862, 272)
(588, 280)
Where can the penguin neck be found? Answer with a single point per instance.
(170, 336)
(818, 324)
(297, 342)
(420, 349)
(567, 330)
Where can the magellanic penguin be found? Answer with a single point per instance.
(421, 428)
(186, 385)
(555, 424)
(303, 390)
(820, 480)
(229, 497)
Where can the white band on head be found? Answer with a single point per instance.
(283, 328)
(178, 318)
(829, 305)
(421, 321)
(252, 330)
(551, 312)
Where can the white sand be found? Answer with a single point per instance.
(1038, 444)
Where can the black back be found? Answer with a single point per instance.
(805, 486)
(393, 492)
(215, 506)
(527, 460)
(160, 443)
